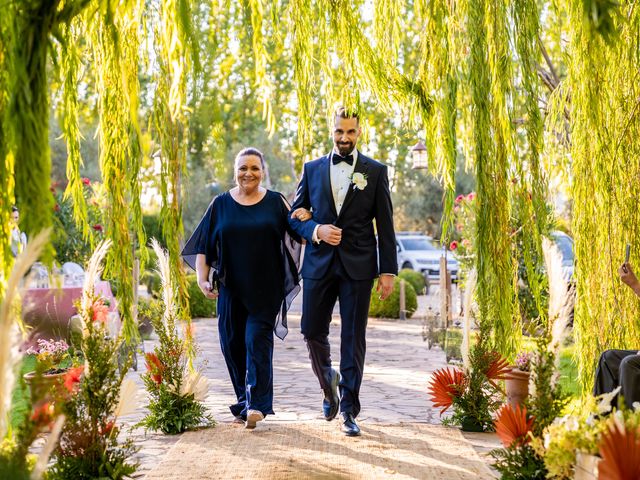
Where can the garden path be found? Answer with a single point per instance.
(401, 437)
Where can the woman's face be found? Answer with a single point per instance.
(249, 172)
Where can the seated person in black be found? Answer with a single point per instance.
(621, 368)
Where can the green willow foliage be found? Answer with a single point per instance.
(170, 123)
(605, 126)
(6, 160)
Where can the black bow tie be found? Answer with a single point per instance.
(336, 159)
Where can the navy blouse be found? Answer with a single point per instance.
(252, 251)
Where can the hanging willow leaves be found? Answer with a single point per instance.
(605, 125)
(117, 72)
(170, 124)
(438, 76)
(70, 62)
(6, 159)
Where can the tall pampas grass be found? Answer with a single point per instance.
(12, 330)
(92, 275)
(168, 286)
(561, 296)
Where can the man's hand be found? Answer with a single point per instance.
(207, 289)
(627, 276)
(385, 286)
(330, 234)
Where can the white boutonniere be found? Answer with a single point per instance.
(359, 180)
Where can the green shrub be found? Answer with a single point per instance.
(148, 309)
(152, 280)
(390, 308)
(199, 305)
(416, 279)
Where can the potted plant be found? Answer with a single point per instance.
(517, 380)
(52, 362)
(473, 392)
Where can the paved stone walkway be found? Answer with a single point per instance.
(394, 389)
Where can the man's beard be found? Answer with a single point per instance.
(344, 149)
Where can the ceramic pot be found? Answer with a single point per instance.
(517, 387)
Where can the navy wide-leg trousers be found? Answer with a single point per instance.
(318, 301)
(619, 368)
(246, 340)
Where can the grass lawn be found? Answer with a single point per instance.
(20, 398)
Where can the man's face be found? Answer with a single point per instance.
(15, 217)
(345, 134)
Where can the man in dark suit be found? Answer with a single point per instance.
(344, 192)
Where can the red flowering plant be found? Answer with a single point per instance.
(176, 392)
(72, 242)
(474, 393)
(463, 236)
(97, 395)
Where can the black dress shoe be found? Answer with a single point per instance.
(331, 402)
(349, 426)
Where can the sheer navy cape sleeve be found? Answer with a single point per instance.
(251, 251)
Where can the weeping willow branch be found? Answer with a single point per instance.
(70, 62)
(169, 119)
(6, 159)
(606, 166)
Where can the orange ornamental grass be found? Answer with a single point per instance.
(100, 311)
(497, 368)
(513, 426)
(445, 386)
(155, 367)
(620, 452)
(72, 378)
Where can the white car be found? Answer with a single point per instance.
(417, 252)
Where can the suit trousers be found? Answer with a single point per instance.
(246, 340)
(318, 301)
(619, 368)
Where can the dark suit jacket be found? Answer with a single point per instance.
(357, 250)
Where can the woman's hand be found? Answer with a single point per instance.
(302, 214)
(207, 289)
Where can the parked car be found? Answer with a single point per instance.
(565, 245)
(417, 252)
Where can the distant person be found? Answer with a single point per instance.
(242, 244)
(18, 238)
(621, 368)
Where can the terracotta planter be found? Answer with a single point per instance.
(40, 385)
(586, 466)
(517, 386)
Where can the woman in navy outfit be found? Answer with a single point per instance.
(244, 247)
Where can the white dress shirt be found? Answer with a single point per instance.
(340, 176)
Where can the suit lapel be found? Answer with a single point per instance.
(326, 183)
(361, 167)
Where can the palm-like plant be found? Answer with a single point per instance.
(513, 425)
(620, 451)
(445, 385)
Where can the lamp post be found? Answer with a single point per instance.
(419, 155)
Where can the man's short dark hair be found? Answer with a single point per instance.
(14, 209)
(342, 112)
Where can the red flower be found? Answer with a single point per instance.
(73, 377)
(154, 367)
(471, 196)
(98, 228)
(445, 386)
(107, 427)
(100, 311)
(453, 245)
(86, 181)
(513, 426)
(459, 198)
(43, 414)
